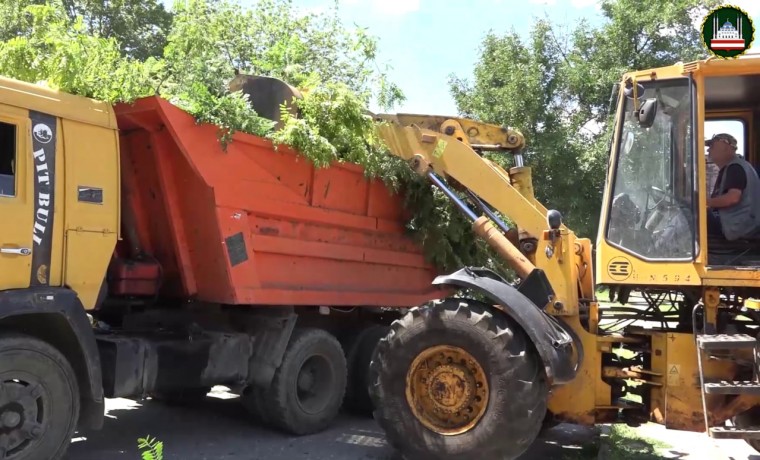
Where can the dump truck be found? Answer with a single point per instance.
(142, 257)
(481, 373)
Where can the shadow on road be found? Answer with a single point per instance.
(219, 428)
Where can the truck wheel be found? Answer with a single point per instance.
(253, 399)
(359, 356)
(453, 381)
(308, 387)
(39, 399)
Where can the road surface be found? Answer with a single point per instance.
(219, 429)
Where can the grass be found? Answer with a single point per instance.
(625, 444)
(620, 443)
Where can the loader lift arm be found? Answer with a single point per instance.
(528, 338)
(443, 149)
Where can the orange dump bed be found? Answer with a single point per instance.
(252, 225)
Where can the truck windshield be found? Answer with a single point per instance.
(652, 207)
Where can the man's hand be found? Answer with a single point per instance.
(730, 198)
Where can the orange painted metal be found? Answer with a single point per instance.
(255, 225)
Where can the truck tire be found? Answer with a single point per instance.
(39, 397)
(359, 355)
(454, 381)
(253, 399)
(308, 388)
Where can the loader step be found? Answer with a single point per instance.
(729, 432)
(726, 341)
(733, 388)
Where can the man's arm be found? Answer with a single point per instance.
(736, 181)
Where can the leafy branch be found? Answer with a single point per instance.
(150, 448)
(211, 41)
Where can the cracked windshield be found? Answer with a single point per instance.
(652, 214)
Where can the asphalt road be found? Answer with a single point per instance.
(219, 429)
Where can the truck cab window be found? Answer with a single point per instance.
(7, 159)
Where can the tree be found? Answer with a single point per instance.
(212, 40)
(555, 88)
(139, 27)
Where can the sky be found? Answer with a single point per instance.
(425, 41)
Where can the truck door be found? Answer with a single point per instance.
(27, 146)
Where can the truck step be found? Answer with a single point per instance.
(728, 432)
(732, 388)
(726, 341)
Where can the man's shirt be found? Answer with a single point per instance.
(735, 178)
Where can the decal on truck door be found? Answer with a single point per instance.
(43, 153)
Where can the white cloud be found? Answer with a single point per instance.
(544, 2)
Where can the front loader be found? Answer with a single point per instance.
(676, 343)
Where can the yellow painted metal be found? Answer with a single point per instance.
(577, 401)
(452, 158)
(753, 304)
(672, 377)
(87, 155)
(472, 133)
(696, 272)
(447, 390)
(678, 405)
(91, 229)
(27, 96)
(17, 211)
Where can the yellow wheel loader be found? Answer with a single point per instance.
(479, 374)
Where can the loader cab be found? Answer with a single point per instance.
(653, 226)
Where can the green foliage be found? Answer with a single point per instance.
(554, 86)
(150, 448)
(625, 444)
(64, 56)
(138, 26)
(71, 46)
(121, 50)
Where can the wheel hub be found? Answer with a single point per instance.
(447, 390)
(10, 419)
(450, 388)
(21, 404)
(313, 383)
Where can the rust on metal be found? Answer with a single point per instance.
(447, 390)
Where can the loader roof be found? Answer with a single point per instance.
(43, 99)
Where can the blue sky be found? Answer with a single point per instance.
(427, 40)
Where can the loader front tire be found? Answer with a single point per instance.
(456, 381)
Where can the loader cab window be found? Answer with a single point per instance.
(651, 212)
(7, 159)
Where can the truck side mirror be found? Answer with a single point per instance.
(647, 112)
